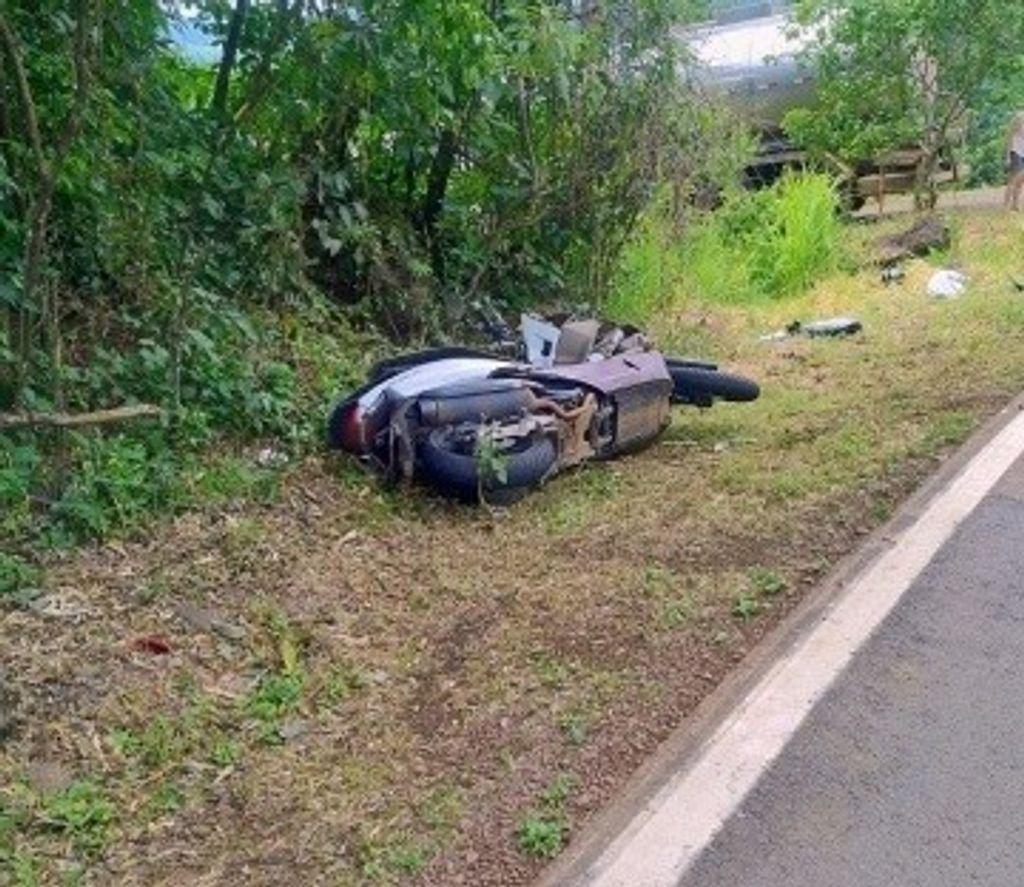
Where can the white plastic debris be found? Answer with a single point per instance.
(268, 457)
(833, 326)
(947, 284)
(541, 340)
(893, 274)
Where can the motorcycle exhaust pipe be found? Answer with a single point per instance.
(437, 411)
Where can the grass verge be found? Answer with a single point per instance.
(369, 687)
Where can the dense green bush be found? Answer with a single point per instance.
(403, 157)
(16, 576)
(115, 481)
(265, 376)
(210, 237)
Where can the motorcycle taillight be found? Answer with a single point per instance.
(352, 430)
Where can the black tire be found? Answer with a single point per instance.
(457, 474)
(690, 362)
(700, 387)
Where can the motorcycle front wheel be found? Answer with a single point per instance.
(701, 387)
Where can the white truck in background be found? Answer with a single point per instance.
(747, 52)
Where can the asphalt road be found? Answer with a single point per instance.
(910, 770)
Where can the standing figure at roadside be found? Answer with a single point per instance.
(1015, 161)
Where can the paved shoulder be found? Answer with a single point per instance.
(910, 770)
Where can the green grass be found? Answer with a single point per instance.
(579, 497)
(804, 245)
(276, 696)
(231, 478)
(159, 743)
(678, 611)
(441, 809)
(342, 681)
(674, 605)
(758, 246)
(575, 726)
(165, 800)
(225, 753)
(541, 835)
(19, 579)
(746, 605)
(767, 582)
(649, 272)
(551, 671)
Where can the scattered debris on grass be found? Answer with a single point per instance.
(833, 327)
(923, 237)
(893, 274)
(947, 284)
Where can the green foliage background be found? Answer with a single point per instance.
(937, 75)
(235, 240)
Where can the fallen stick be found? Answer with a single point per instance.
(78, 420)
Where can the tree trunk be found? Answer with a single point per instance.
(926, 195)
(219, 103)
(433, 202)
(32, 272)
(46, 173)
(7, 374)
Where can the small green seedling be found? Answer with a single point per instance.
(767, 582)
(556, 794)
(84, 813)
(541, 835)
(575, 726)
(225, 753)
(746, 606)
(543, 831)
(491, 463)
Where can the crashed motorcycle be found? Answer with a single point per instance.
(476, 425)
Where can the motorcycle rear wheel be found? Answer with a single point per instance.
(454, 472)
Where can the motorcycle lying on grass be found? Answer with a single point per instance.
(479, 426)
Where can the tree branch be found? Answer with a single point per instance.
(13, 49)
(79, 420)
(260, 81)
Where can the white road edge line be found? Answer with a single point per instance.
(666, 837)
